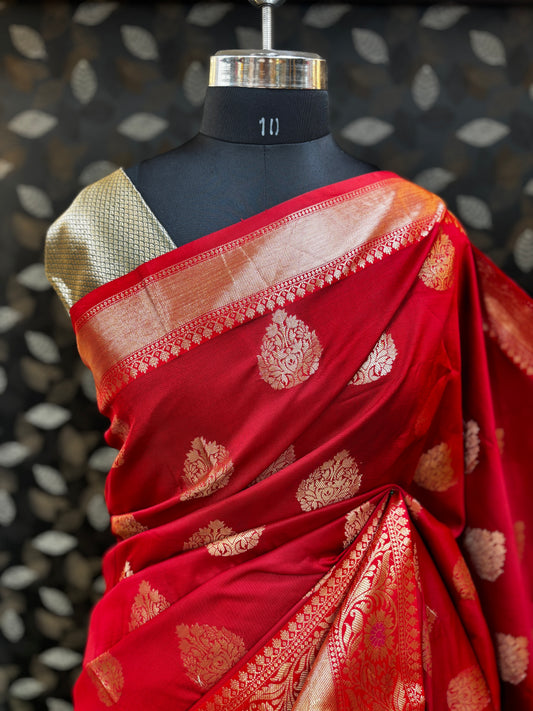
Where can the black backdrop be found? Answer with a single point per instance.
(442, 95)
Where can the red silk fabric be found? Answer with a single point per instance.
(322, 496)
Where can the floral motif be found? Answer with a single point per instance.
(214, 531)
(285, 458)
(335, 480)
(208, 652)
(471, 444)
(290, 352)
(236, 544)
(487, 550)
(414, 505)
(434, 471)
(126, 525)
(513, 657)
(378, 363)
(437, 270)
(468, 691)
(207, 467)
(356, 520)
(127, 571)
(378, 638)
(463, 580)
(520, 538)
(106, 674)
(148, 604)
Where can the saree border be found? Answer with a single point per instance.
(190, 302)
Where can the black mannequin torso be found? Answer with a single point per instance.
(231, 171)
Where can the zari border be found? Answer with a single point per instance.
(167, 312)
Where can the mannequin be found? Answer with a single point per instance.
(260, 143)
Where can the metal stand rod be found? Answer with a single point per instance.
(267, 26)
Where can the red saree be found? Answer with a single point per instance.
(319, 411)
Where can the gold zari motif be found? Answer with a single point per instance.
(472, 446)
(434, 471)
(355, 522)
(207, 468)
(378, 363)
(290, 352)
(208, 652)
(285, 458)
(125, 526)
(468, 691)
(437, 270)
(106, 674)
(220, 540)
(487, 550)
(463, 580)
(148, 604)
(513, 657)
(335, 480)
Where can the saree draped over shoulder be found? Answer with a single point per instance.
(322, 495)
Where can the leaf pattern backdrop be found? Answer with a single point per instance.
(442, 95)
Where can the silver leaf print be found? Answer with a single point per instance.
(54, 543)
(32, 123)
(42, 347)
(35, 201)
(56, 601)
(49, 479)
(523, 251)
(93, 13)
(26, 688)
(434, 179)
(97, 513)
(47, 416)
(322, 16)
(18, 577)
(139, 42)
(12, 626)
(96, 170)
(102, 459)
(8, 511)
(8, 318)
(12, 453)
(474, 211)
(482, 132)
(53, 704)
(60, 658)
(195, 83)
(142, 126)
(34, 277)
(426, 87)
(248, 38)
(5, 168)
(367, 131)
(83, 82)
(488, 47)
(442, 17)
(370, 46)
(28, 41)
(206, 14)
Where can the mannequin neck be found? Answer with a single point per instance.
(265, 116)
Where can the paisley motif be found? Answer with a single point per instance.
(355, 521)
(434, 471)
(335, 480)
(125, 525)
(148, 604)
(106, 674)
(468, 691)
(290, 352)
(207, 468)
(379, 362)
(471, 445)
(437, 270)
(513, 657)
(285, 458)
(487, 550)
(208, 652)
(463, 580)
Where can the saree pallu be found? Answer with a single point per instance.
(322, 495)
